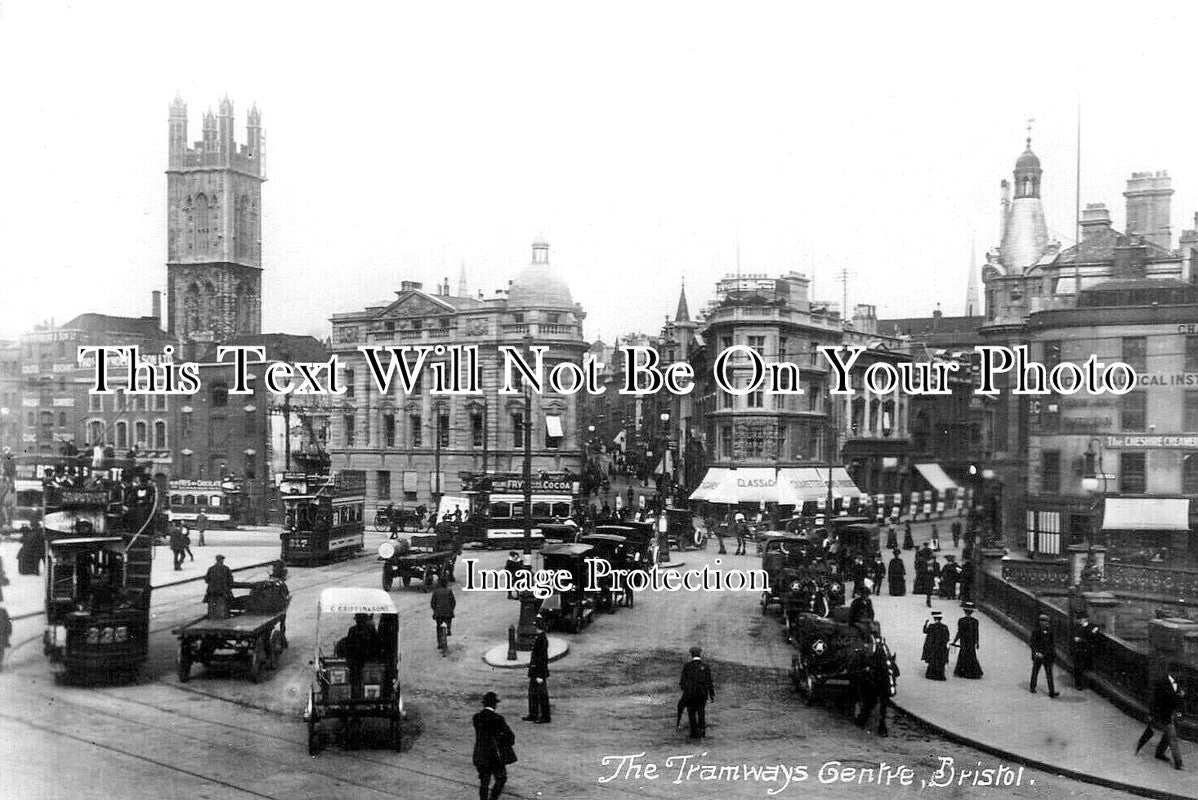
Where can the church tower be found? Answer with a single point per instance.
(214, 248)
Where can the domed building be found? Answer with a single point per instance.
(413, 447)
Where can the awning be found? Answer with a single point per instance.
(553, 425)
(1146, 514)
(935, 475)
(764, 485)
(842, 484)
(725, 491)
(710, 481)
(807, 482)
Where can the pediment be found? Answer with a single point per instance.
(414, 304)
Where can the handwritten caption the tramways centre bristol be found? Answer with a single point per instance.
(736, 370)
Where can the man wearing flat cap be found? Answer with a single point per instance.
(1044, 654)
(493, 748)
(538, 676)
(697, 689)
(220, 589)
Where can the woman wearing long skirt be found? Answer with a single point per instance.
(891, 537)
(897, 576)
(908, 541)
(968, 665)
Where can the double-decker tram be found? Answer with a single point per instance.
(218, 500)
(496, 505)
(324, 517)
(99, 520)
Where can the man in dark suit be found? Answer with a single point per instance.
(538, 677)
(1166, 710)
(1085, 646)
(220, 589)
(862, 608)
(697, 689)
(1044, 654)
(493, 741)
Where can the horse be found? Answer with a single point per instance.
(876, 683)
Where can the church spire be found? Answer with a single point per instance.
(683, 313)
(462, 289)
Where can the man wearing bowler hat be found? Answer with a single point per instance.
(493, 748)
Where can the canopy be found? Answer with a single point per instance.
(842, 484)
(710, 481)
(935, 475)
(356, 601)
(763, 485)
(1146, 514)
(808, 482)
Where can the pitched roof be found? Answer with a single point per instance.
(287, 345)
(106, 323)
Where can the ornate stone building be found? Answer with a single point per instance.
(1082, 467)
(410, 446)
(214, 212)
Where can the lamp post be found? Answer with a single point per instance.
(663, 486)
(1090, 478)
(526, 632)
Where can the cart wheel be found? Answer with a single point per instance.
(257, 661)
(278, 643)
(388, 580)
(407, 581)
(184, 665)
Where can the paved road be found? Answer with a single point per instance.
(221, 736)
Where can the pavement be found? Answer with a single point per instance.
(497, 655)
(25, 594)
(1078, 734)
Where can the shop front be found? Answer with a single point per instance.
(1147, 530)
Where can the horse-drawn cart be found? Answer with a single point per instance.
(831, 656)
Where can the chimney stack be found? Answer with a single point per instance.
(1096, 219)
(156, 306)
(1148, 209)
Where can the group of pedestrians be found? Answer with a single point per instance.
(180, 539)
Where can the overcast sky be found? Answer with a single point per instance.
(644, 141)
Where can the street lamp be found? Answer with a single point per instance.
(526, 632)
(1090, 479)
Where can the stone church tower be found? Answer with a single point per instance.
(214, 218)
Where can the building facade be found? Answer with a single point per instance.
(412, 446)
(1081, 467)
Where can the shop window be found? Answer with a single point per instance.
(1133, 473)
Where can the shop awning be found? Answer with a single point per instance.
(935, 475)
(842, 484)
(763, 485)
(725, 491)
(1146, 514)
(553, 425)
(710, 481)
(808, 483)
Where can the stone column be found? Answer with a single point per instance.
(373, 412)
(879, 412)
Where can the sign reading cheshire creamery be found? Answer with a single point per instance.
(1157, 441)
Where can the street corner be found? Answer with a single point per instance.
(497, 655)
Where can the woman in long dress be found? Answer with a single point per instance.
(968, 665)
(897, 576)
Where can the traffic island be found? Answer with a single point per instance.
(497, 655)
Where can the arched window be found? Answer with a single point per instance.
(139, 433)
(202, 221)
(191, 308)
(122, 435)
(95, 432)
(159, 435)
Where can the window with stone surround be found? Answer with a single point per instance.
(1133, 415)
(1133, 473)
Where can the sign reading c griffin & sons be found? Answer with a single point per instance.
(1158, 441)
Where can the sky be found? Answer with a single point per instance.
(649, 143)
